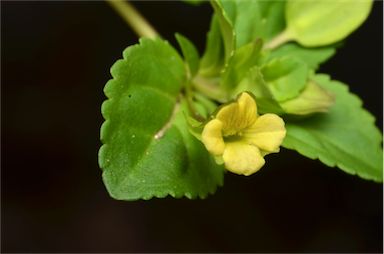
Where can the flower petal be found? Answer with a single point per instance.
(242, 158)
(247, 108)
(212, 137)
(238, 115)
(229, 115)
(267, 133)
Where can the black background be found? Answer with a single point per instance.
(55, 61)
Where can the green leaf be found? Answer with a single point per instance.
(190, 53)
(313, 57)
(345, 137)
(254, 19)
(147, 150)
(286, 77)
(239, 64)
(212, 60)
(226, 28)
(208, 105)
(322, 22)
(253, 82)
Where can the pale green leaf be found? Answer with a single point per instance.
(253, 82)
(190, 53)
(313, 57)
(208, 104)
(213, 60)
(147, 150)
(286, 77)
(322, 22)
(345, 137)
(226, 28)
(239, 64)
(254, 19)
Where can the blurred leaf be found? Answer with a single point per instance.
(212, 60)
(147, 150)
(206, 103)
(322, 22)
(253, 19)
(226, 28)
(253, 82)
(313, 57)
(286, 77)
(190, 53)
(239, 64)
(345, 137)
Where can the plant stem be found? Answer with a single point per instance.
(281, 38)
(133, 18)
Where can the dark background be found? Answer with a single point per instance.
(55, 61)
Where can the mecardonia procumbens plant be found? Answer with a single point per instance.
(174, 123)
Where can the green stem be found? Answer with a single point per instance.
(133, 18)
(280, 39)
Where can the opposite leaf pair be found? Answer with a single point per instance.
(153, 90)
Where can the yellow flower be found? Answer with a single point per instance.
(240, 138)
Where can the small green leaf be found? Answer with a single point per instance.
(286, 77)
(212, 60)
(208, 105)
(239, 64)
(322, 22)
(253, 82)
(254, 19)
(226, 28)
(147, 149)
(345, 137)
(210, 87)
(313, 57)
(190, 53)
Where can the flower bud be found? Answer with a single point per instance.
(312, 99)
